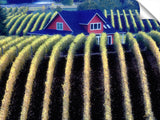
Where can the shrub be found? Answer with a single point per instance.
(3, 31)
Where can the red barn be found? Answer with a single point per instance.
(76, 22)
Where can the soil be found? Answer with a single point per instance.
(116, 22)
(97, 89)
(76, 95)
(116, 92)
(135, 87)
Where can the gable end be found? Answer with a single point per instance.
(92, 19)
(58, 18)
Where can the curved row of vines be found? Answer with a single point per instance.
(16, 51)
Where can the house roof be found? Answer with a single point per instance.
(86, 16)
(75, 20)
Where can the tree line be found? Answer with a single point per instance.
(30, 1)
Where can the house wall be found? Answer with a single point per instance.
(96, 19)
(58, 19)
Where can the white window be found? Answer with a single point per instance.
(59, 26)
(95, 26)
(104, 27)
(109, 40)
(109, 26)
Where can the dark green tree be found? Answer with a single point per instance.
(3, 30)
(58, 9)
(130, 4)
(88, 5)
(109, 4)
(3, 1)
(100, 4)
(67, 2)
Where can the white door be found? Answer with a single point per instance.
(109, 39)
(98, 39)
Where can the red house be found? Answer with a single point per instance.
(76, 22)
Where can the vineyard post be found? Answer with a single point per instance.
(16, 51)
(31, 52)
(2, 50)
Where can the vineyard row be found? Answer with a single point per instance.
(38, 46)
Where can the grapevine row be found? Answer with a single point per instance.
(149, 24)
(63, 43)
(30, 23)
(12, 52)
(23, 24)
(54, 14)
(156, 36)
(38, 22)
(15, 71)
(86, 77)
(126, 21)
(5, 40)
(105, 13)
(8, 19)
(106, 78)
(156, 24)
(66, 86)
(45, 21)
(2, 37)
(133, 21)
(124, 77)
(112, 19)
(40, 53)
(5, 47)
(139, 20)
(12, 21)
(119, 21)
(143, 77)
(15, 11)
(16, 24)
(151, 44)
